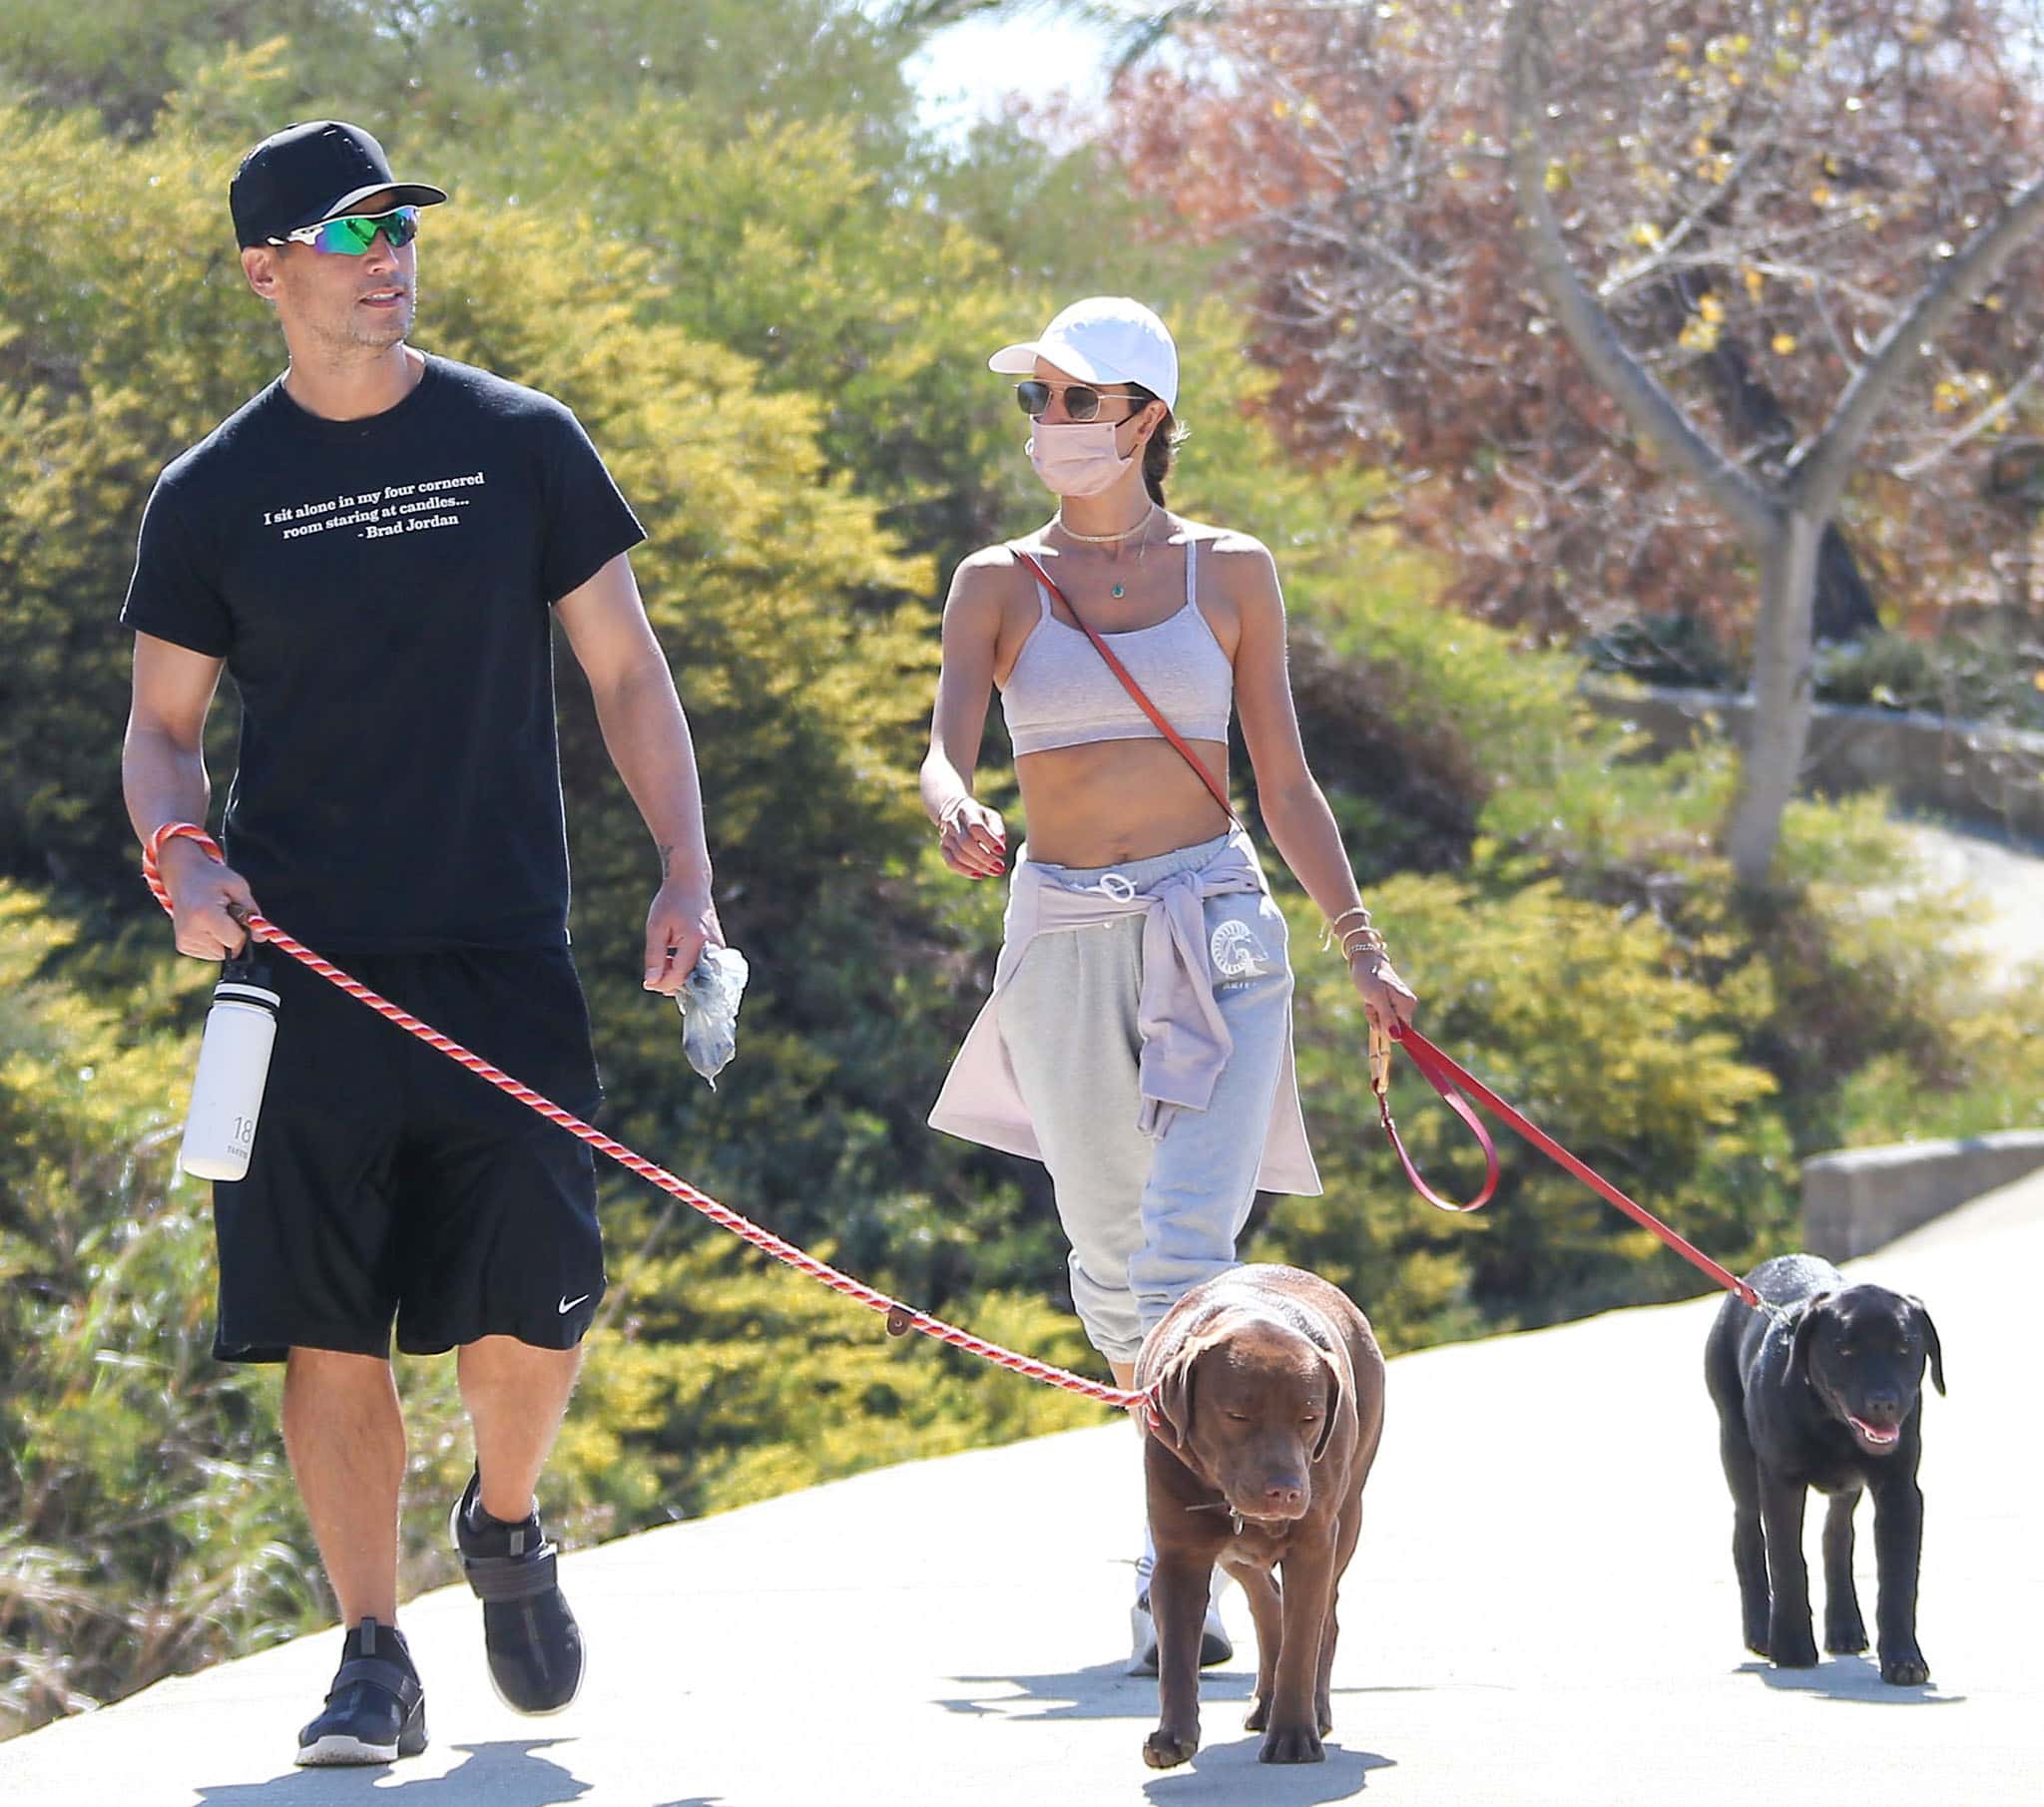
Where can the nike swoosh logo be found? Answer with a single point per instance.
(568, 1305)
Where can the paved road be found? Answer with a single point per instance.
(1542, 1612)
(2002, 881)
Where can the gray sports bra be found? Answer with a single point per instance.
(1061, 693)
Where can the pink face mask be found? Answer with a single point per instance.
(1079, 457)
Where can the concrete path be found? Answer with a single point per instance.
(1542, 1612)
(2003, 881)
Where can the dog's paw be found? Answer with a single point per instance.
(1165, 1749)
(1904, 1668)
(1292, 1744)
(1260, 1715)
(1847, 1638)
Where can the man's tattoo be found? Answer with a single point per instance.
(667, 860)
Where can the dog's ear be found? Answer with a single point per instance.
(1333, 1406)
(1930, 1342)
(1805, 1320)
(1174, 1397)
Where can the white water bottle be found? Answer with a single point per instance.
(233, 1065)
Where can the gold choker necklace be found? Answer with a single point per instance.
(1105, 539)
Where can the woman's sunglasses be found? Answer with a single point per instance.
(353, 233)
(1081, 402)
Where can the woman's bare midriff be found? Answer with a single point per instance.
(1115, 801)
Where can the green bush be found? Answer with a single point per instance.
(147, 1525)
(1993, 676)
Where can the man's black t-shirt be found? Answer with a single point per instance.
(380, 591)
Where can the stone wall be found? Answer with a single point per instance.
(1980, 774)
(1856, 1202)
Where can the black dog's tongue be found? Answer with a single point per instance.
(1874, 1433)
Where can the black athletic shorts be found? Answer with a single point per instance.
(389, 1185)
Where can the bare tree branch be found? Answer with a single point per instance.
(1819, 471)
(1764, 144)
(1996, 410)
(1651, 409)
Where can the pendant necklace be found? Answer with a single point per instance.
(1113, 539)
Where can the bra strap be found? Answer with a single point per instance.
(1192, 571)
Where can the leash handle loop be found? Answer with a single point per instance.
(1380, 1082)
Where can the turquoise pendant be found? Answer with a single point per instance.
(1117, 591)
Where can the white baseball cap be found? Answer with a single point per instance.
(1102, 339)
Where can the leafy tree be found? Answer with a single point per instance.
(478, 70)
(1776, 207)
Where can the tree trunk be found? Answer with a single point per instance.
(1782, 696)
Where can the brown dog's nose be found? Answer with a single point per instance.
(1283, 1497)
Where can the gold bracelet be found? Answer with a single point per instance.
(1332, 926)
(1363, 940)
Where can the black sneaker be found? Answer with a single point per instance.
(376, 1709)
(532, 1639)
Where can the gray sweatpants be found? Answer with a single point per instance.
(1148, 1220)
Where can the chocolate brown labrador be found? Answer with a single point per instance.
(1269, 1403)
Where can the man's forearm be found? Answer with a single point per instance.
(647, 736)
(161, 780)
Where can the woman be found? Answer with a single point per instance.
(1139, 1038)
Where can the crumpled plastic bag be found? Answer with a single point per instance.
(708, 1002)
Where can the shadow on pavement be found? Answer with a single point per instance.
(1229, 1773)
(1104, 1691)
(1846, 1678)
(1221, 1772)
(1108, 1691)
(507, 1772)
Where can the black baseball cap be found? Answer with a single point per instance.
(312, 172)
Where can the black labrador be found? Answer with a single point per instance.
(1827, 1395)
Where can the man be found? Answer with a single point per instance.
(374, 548)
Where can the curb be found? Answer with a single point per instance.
(1861, 1200)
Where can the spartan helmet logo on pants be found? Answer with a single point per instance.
(1234, 950)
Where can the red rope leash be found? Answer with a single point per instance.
(1451, 1080)
(900, 1318)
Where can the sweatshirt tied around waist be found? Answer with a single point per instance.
(1183, 1041)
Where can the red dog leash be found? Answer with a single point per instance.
(1451, 1080)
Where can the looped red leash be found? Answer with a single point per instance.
(1379, 1082)
(900, 1318)
(1451, 1080)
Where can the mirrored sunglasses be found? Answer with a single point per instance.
(1081, 401)
(352, 233)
